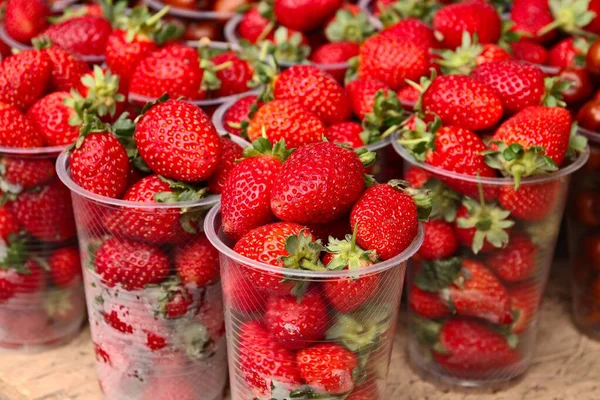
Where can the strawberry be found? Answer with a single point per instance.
(414, 30)
(574, 16)
(387, 218)
(532, 202)
(234, 78)
(427, 304)
(328, 368)
(462, 101)
(238, 114)
(440, 241)
(7, 290)
(174, 301)
(517, 261)
(518, 84)
(417, 177)
(16, 129)
(408, 96)
(345, 132)
(340, 172)
(472, 16)
(468, 55)
(177, 140)
(271, 244)
(335, 53)
(530, 16)
(65, 266)
(25, 19)
(9, 225)
(65, 306)
(85, 35)
(241, 293)
(245, 201)
(304, 15)
(286, 120)
(254, 26)
(131, 264)
(361, 93)
(118, 318)
(197, 262)
(66, 69)
(297, 322)
(47, 214)
(392, 60)
(24, 77)
(26, 172)
(231, 152)
(350, 24)
(530, 51)
(564, 53)
(263, 362)
(21, 275)
(51, 117)
(525, 299)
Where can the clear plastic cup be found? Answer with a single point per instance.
(154, 297)
(473, 317)
(583, 224)
(42, 302)
(362, 333)
(200, 15)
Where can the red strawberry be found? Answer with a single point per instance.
(297, 322)
(263, 362)
(118, 317)
(387, 220)
(328, 368)
(525, 299)
(238, 113)
(335, 53)
(16, 130)
(24, 77)
(426, 304)
(361, 93)
(287, 120)
(241, 292)
(197, 262)
(66, 69)
(562, 55)
(416, 177)
(517, 261)
(253, 25)
(47, 214)
(234, 78)
(304, 15)
(414, 30)
(341, 176)
(9, 225)
(131, 264)
(7, 290)
(472, 16)
(532, 202)
(25, 19)
(440, 241)
(85, 35)
(51, 117)
(408, 96)
(65, 266)
(21, 276)
(345, 132)
(392, 60)
(27, 172)
(530, 51)
(530, 16)
(231, 152)
(245, 201)
(174, 300)
(177, 140)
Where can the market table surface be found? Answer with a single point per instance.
(566, 367)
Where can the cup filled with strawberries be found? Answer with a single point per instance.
(141, 190)
(497, 151)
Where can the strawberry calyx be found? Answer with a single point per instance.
(15, 255)
(262, 147)
(167, 292)
(437, 275)
(553, 95)
(513, 160)
(422, 87)
(361, 331)
(570, 16)
(366, 157)
(490, 221)
(181, 192)
(197, 341)
(58, 303)
(347, 254)
(462, 60)
(210, 80)
(427, 333)
(141, 25)
(421, 197)
(288, 48)
(349, 27)
(509, 35)
(265, 9)
(419, 138)
(422, 9)
(445, 200)
(386, 117)
(303, 252)
(577, 143)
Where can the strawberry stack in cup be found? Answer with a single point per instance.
(140, 193)
(313, 260)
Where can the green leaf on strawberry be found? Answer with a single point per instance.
(348, 254)
(386, 117)
(461, 60)
(400, 10)
(304, 253)
(262, 146)
(422, 197)
(570, 16)
(140, 22)
(348, 26)
(438, 274)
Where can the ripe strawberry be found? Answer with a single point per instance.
(25, 19)
(9, 225)
(118, 317)
(345, 132)
(131, 264)
(417, 177)
(231, 152)
(238, 113)
(525, 299)
(427, 304)
(361, 93)
(414, 30)
(530, 16)
(530, 51)
(173, 300)
(335, 53)
(408, 96)
(472, 16)
(440, 241)
(65, 266)
(387, 219)
(287, 120)
(66, 69)
(27, 172)
(564, 53)
(468, 55)
(263, 362)
(254, 25)
(340, 172)
(24, 77)
(462, 101)
(47, 214)
(233, 79)
(392, 60)
(16, 129)
(241, 292)
(517, 261)
(328, 368)
(245, 201)
(304, 15)
(177, 140)
(51, 117)
(197, 262)
(530, 202)
(7, 290)
(21, 275)
(85, 35)
(297, 322)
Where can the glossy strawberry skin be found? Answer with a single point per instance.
(440, 241)
(531, 202)
(335, 53)
(85, 35)
(562, 55)
(295, 196)
(9, 225)
(65, 266)
(304, 15)
(361, 93)
(33, 281)
(16, 129)
(123, 56)
(241, 293)
(27, 172)
(517, 261)
(414, 30)
(427, 304)
(530, 16)
(530, 51)
(525, 300)
(100, 165)
(417, 177)
(387, 220)
(24, 19)
(327, 367)
(234, 79)
(66, 69)
(345, 132)
(231, 152)
(24, 77)
(465, 236)
(51, 117)
(237, 113)
(252, 25)
(178, 140)
(197, 262)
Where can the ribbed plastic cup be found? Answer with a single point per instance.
(41, 290)
(583, 223)
(264, 359)
(508, 310)
(164, 336)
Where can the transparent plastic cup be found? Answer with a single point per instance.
(265, 363)
(476, 325)
(42, 304)
(190, 14)
(154, 297)
(583, 224)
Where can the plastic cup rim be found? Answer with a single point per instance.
(189, 14)
(568, 170)
(224, 250)
(33, 151)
